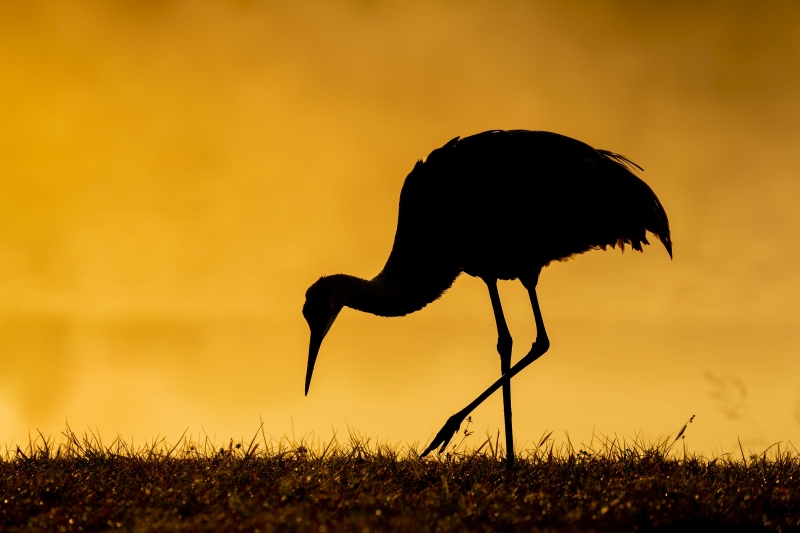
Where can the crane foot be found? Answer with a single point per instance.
(442, 439)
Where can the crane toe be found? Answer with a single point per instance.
(442, 439)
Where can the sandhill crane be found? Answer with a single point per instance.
(496, 205)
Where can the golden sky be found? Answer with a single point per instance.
(174, 174)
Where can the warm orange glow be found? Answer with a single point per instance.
(174, 174)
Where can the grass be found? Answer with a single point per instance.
(266, 484)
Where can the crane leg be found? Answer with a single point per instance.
(504, 343)
(540, 346)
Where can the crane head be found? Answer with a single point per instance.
(322, 306)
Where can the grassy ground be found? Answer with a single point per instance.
(81, 484)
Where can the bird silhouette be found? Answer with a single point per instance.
(495, 205)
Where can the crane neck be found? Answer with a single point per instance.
(391, 296)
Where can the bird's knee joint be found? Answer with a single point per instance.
(542, 344)
(504, 343)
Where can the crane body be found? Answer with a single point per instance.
(498, 205)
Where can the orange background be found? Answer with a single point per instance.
(174, 174)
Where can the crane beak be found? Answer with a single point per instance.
(313, 350)
(316, 341)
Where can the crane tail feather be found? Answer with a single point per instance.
(647, 213)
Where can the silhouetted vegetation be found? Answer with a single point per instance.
(82, 484)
